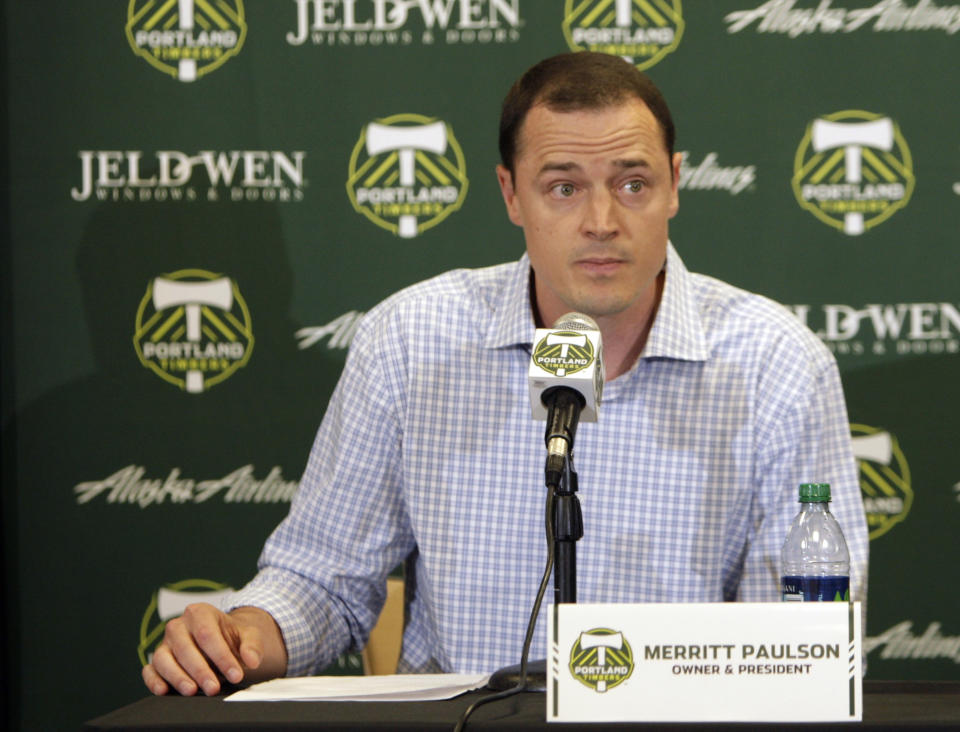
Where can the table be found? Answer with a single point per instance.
(888, 705)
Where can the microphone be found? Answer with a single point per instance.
(566, 383)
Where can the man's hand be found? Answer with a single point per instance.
(205, 645)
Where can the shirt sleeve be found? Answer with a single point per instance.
(322, 573)
(804, 437)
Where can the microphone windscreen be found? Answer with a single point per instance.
(575, 321)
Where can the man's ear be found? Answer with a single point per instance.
(505, 179)
(675, 184)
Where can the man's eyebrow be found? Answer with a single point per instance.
(558, 166)
(631, 163)
(624, 164)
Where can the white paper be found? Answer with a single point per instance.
(396, 687)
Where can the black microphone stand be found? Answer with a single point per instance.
(567, 531)
(567, 525)
(560, 477)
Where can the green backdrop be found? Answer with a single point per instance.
(204, 195)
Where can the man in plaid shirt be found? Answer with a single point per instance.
(718, 403)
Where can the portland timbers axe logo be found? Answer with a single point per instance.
(193, 329)
(641, 31)
(564, 352)
(885, 483)
(601, 659)
(407, 173)
(186, 38)
(853, 170)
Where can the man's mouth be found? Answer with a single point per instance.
(600, 265)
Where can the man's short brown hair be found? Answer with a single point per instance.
(577, 81)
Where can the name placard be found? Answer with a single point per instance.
(704, 662)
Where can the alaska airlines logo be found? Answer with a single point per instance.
(601, 659)
(186, 38)
(709, 175)
(641, 31)
(193, 329)
(901, 643)
(339, 331)
(131, 486)
(407, 174)
(853, 170)
(400, 22)
(782, 16)
(884, 478)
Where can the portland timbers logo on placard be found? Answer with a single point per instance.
(407, 173)
(193, 329)
(885, 483)
(186, 38)
(641, 31)
(564, 352)
(853, 170)
(601, 659)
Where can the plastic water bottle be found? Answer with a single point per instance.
(815, 561)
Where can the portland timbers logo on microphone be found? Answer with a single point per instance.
(564, 352)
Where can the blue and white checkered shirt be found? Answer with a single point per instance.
(688, 482)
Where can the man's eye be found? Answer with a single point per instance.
(564, 189)
(634, 186)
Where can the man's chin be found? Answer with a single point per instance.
(603, 308)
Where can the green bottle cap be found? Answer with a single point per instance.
(814, 492)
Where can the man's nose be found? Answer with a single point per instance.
(600, 218)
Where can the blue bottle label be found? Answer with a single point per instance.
(815, 589)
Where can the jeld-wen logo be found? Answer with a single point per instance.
(402, 22)
(903, 328)
(172, 175)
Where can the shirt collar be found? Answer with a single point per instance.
(677, 331)
(512, 322)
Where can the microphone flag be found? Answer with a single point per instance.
(568, 355)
